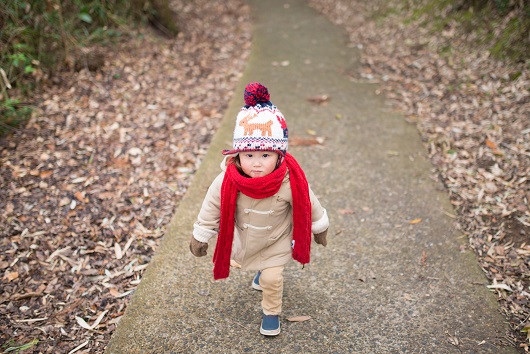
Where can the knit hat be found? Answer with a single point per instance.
(260, 126)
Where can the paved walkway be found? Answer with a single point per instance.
(383, 284)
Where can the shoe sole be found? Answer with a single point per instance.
(256, 286)
(270, 333)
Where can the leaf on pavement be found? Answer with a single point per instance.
(299, 141)
(499, 286)
(320, 99)
(299, 318)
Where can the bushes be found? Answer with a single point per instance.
(501, 27)
(502, 6)
(41, 37)
(506, 27)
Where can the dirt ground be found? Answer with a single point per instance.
(90, 183)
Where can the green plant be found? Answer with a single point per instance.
(500, 26)
(19, 348)
(14, 113)
(39, 38)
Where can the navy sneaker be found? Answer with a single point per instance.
(270, 325)
(255, 282)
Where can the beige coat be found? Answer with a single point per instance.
(263, 227)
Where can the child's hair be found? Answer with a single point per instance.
(237, 161)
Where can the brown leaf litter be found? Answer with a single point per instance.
(89, 185)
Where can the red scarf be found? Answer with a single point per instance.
(260, 188)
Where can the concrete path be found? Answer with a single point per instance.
(383, 284)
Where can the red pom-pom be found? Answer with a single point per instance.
(256, 93)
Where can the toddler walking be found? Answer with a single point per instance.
(260, 206)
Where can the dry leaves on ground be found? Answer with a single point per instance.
(89, 185)
(472, 112)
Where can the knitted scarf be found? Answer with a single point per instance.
(259, 188)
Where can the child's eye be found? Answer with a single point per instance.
(248, 155)
(266, 155)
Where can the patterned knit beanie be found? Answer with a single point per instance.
(260, 126)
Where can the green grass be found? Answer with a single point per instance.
(480, 19)
(13, 114)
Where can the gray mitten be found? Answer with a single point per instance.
(198, 248)
(321, 238)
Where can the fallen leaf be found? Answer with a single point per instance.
(346, 211)
(11, 276)
(491, 144)
(80, 196)
(415, 221)
(135, 151)
(117, 250)
(46, 174)
(121, 162)
(297, 141)
(408, 297)
(79, 180)
(114, 292)
(80, 346)
(320, 99)
(499, 286)
(423, 258)
(299, 318)
(85, 325)
(64, 201)
(282, 63)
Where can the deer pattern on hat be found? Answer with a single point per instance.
(249, 128)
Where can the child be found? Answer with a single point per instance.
(260, 206)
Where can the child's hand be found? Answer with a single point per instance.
(198, 248)
(321, 238)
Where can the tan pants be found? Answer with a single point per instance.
(271, 281)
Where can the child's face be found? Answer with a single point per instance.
(258, 163)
